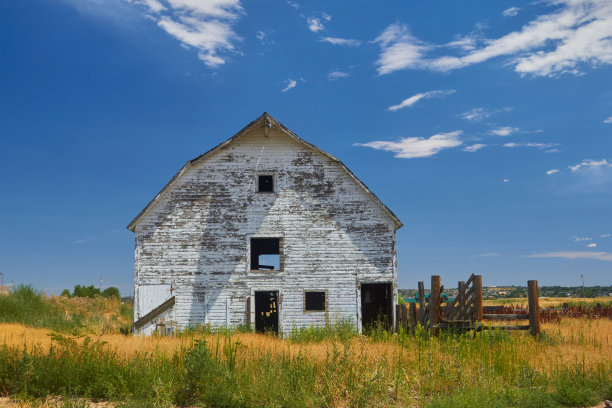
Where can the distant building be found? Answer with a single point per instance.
(5, 289)
(267, 230)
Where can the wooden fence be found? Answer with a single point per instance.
(465, 311)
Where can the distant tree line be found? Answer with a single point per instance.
(91, 291)
(521, 291)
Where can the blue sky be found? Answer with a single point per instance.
(487, 129)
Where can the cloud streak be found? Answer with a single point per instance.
(399, 49)
(590, 164)
(474, 147)
(413, 147)
(408, 102)
(291, 83)
(334, 75)
(511, 12)
(315, 25)
(206, 25)
(480, 114)
(577, 33)
(504, 131)
(348, 42)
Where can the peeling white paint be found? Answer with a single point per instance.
(195, 236)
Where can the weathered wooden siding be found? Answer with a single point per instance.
(194, 240)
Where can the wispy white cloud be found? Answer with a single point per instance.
(506, 180)
(552, 171)
(291, 83)
(332, 76)
(480, 114)
(293, 4)
(511, 12)
(415, 98)
(349, 42)
(606, 235)
(592, 245)
(504, 131)
(203, 25)
(489, 254)
(314, 24)
(602, 256)
(608, 120)
(83, 240)
(464, 43)
(576, 238)
(590, 164)
(536, 145)
(576, 33)
(474, 147)
(412, 147)
(399, 49)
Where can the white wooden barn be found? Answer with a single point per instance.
(267, 230)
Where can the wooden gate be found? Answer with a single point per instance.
(464, 312)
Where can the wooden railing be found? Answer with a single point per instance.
(138, 324)
(464, 312)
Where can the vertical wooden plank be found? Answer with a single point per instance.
(405, 317)
(477, 298)
(248, 312)
(534, 307)
(398, 317)
(434, 303)
(422, 303)
(413, 316)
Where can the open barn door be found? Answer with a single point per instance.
(376, 305)
(266, 311)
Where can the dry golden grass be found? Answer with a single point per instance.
(588, 342)
(547, 301)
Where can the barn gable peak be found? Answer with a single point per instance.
(268, 122)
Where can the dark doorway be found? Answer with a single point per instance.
(266, 311)
(376, 305)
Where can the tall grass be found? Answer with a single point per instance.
(31, 307)
(28, 306)
(569, 366)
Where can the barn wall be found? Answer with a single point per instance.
(195, 239)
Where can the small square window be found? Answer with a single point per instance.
(265, 184)
(314, 301)
(265, 254)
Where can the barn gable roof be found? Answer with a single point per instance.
(270, 122)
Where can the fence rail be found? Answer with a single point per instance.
(465, 311)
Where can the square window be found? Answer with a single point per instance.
(265, 184)
(265, 254)
(314, 301)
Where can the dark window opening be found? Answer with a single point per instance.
(265, 254)
(314, 301)
(265, 184)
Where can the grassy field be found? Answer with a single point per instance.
(569, 365)
(552, 301)
(84, 315)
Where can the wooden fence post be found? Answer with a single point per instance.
(477, 288)
(422, 303)
(248, 312)
(398, 318)
(413, 316)
(534, 307)
(434, 304)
